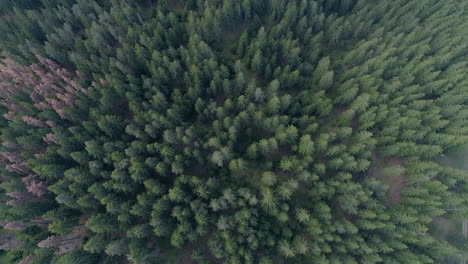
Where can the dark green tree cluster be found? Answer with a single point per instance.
(236, 131)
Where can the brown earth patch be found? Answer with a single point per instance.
(277, 155)
(354, 124)
(234, 34)
(175, 5)
(197, 170)
(394, 193)
(443, 227)
(185, 256)
(396, 183)
(339, 109)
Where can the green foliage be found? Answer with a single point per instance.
(244, 131)
(76, 257)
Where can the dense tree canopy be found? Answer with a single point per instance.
(236, 131)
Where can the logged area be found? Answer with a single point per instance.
(240, 131)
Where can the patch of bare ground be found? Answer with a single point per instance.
(277, 155)
(283, 175)
(185, 256)
(395, 183)
(443, 226)
(123, 110)
(175, 5)
(195, 171)
(338, 110)
(343, 213)
(230, 36)
(7, 17)
(354, 124)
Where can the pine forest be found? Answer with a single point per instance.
(232, 131)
